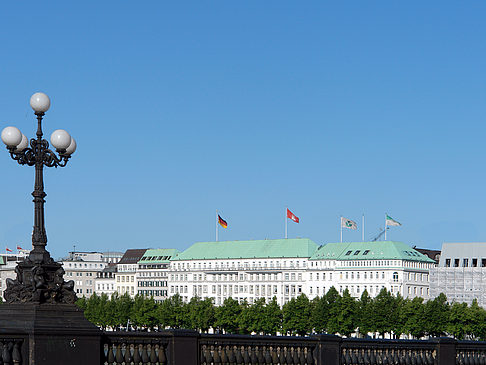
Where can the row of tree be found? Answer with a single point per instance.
(331, 313)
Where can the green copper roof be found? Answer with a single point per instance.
(158, 256)
(292, 247)
(379, 250)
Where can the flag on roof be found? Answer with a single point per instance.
(19, 248)
(391, 222)
(222, 222)
(292, 216)
(8, 249)
(348, 223)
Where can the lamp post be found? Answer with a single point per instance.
(39, 278)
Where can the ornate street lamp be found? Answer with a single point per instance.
(39, 278)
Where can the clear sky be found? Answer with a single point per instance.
(182, 108)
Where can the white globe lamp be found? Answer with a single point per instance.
(60, 139)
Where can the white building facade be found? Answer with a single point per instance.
(370, 266)
(242, 270)
(287, 268)
(152, 273)
(83, 268)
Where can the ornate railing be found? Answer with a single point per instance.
(470, 353)
(134, 348)
(11, 350)
(391, 352)
(231, 349)
(178, 347)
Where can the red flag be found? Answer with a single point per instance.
(19, 248)
(8, 249)
(292, 216)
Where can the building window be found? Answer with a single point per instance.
(474, 262)
(465, 262)
(448, 263)
(456, 262)
(395, 277)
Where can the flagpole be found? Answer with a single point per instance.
(363, 229)
(341, 225)
(286, 223)
(216, 225)
(385, 226)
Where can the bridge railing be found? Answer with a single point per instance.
(180, 347)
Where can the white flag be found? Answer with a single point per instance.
(391, 222)
(348, 223)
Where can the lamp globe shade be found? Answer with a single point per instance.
(11, 136)
(60, 139)
(72, 147)
(23, 144)
(40, 102)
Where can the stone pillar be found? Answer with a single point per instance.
(57, 333)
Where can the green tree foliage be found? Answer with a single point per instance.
(363, 317)
(332, 313)
(144, 311)
(437, 313)
(172, 313)
(412, 316)
(383, 312)
(201, 314)
(296, 316)
(334, 302)
(227, 315)
(272, 321)
(319, 314)
(347, 310)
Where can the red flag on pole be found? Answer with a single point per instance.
(292, 216)
(8, 249)
(19, 248)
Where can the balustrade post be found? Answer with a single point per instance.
(446, 350)
(328, 350)
(183, 347)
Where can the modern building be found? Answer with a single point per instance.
(152, 272)
(83, 268)
(461, 274)
(370, 266)
(112, 257)
(8, 262)
(126, 275)
(243, 270)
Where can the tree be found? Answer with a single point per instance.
(412, 316)
(272, 321)
(244, 318)
(227, 315)
(144, 312)
(172, 313)
(477, 321)
(319, 314)
(93, 309)
(201, 314)
(334, 302)
(122, 308)
(437, 313)
(346, 319)
(364, 314)
(384, 306)
(296, 316)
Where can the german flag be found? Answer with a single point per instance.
(222, 222)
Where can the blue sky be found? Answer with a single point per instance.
(179, 109)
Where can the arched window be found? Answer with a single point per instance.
(395, 277)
